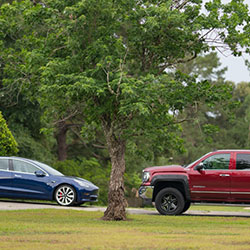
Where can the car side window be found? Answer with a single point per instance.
(4, 164)
(243, 161)
(21, 166)
(218, 161)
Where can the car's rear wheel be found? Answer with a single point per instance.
(169, 201)
(65, 195)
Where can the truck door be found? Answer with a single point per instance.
(240, 187)
(213, 182)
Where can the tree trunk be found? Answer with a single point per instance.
(248, 137)
(116, 197)
(61, 136)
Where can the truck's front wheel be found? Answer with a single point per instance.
(169, 201)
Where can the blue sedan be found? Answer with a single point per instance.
(28, 179)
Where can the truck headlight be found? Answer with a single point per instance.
(145, 176)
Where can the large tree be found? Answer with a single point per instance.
(110, 59)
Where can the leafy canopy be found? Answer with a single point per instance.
(109, 58)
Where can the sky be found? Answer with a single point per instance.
(237, 70)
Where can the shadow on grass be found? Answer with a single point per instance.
(199, 213)
(218, 214)
(36, 202)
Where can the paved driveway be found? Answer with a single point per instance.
(17, 205)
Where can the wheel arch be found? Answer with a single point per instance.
(180, 182)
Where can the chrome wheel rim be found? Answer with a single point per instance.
(169, 203)
(65, 195)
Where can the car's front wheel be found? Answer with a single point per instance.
(65, 195)
(169, 201)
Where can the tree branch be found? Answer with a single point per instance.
(121, 66)
(55, 50)
(66, 118)
(182, 5)
(177, 62)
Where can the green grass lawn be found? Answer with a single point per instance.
(70, 229)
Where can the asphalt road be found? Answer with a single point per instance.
(18, 205)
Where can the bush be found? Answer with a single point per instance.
(8, 145)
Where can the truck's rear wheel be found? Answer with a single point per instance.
(169, 201)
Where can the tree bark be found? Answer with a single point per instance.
(117, 203)
(61, 138)
(248, 138)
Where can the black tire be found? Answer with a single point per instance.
(65, 195)
(169, 201)
(186, 206)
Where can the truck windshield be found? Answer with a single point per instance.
(191, 164)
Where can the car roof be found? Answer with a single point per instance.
(18, 158)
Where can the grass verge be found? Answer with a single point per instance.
(70, 229)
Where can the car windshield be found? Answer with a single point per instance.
(48, 169)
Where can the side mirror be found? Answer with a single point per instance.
(40, 173)
(199, 167)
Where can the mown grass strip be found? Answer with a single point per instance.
(68, 229)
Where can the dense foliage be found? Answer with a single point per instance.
(226, 130)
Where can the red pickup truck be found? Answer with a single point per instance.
(219, 176)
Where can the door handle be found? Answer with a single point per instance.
(18, 176)
(225, 175)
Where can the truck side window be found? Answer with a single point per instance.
(243, 161)
(218, 161)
